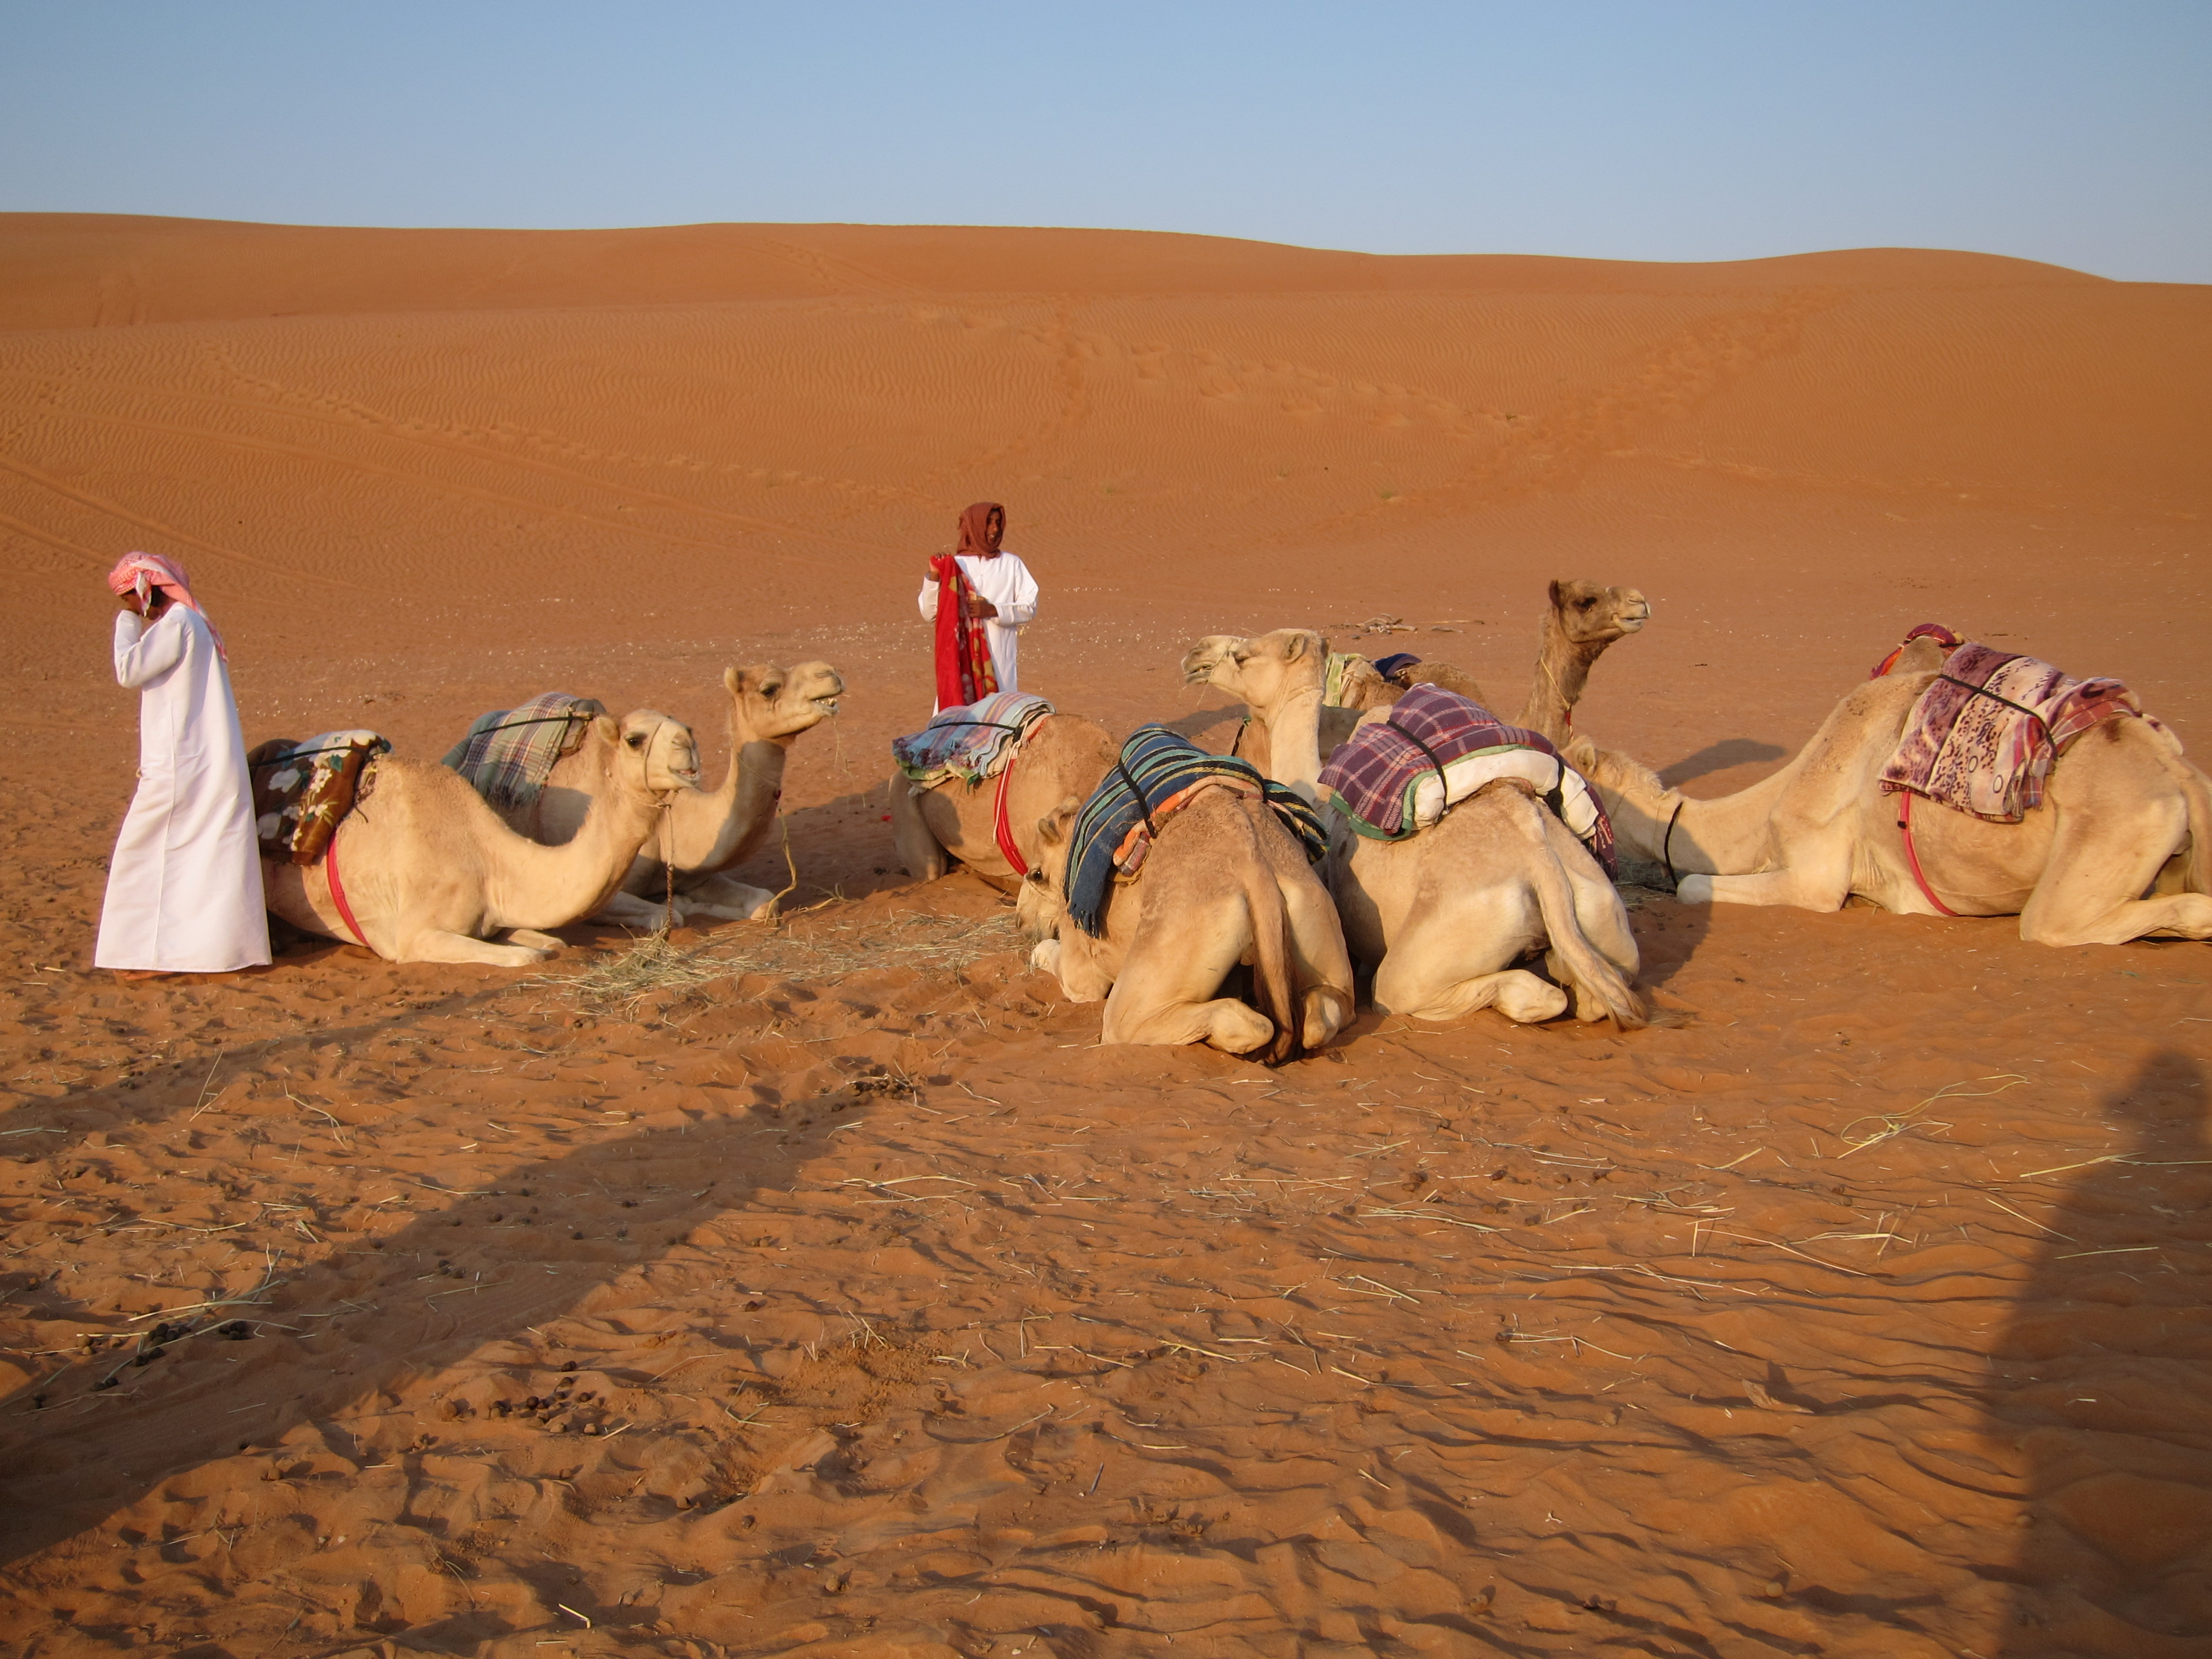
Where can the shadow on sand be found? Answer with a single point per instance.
(367, 1319)
(2103, 1379)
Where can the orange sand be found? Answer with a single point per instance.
(903, 1320)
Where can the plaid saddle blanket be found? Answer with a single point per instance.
(1157, 774)
(509, 753)
(971, 741)
(302, 791)
(1983, 735)
(1395, 777)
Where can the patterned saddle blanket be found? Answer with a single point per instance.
(1395, 777)
(1984, 734)
(509, 753)
(302, 791)
(1157, 774)
(971, 741)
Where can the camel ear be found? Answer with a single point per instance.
(729, 679)
(1297, 648)
(1558, 597)
(1053, 827)
(608, 728)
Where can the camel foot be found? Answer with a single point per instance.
(1327, 1011)
(1694, 889)
(533, 939)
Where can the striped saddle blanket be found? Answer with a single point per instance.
(1158, 773)
(971, 741)
(509, 753)
(1395, 777)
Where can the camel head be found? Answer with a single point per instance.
(776, 704)
(1589, 615)
(1261, 670)
(654, 752)
(1042, 900)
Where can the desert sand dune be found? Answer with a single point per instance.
(842, 1298)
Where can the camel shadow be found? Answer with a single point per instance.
(96, 1437)
(1719, 757)
(2103, 1379)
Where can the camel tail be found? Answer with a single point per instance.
(1274, 986)
(1590, 968)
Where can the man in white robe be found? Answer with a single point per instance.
(184, 887)
(1006, 593)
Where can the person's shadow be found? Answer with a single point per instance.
(2103, 1379)
(367, 1319)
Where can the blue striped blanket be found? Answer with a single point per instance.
(971, 741)
(509, 753)
(1157, 774)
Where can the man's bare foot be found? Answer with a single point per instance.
(135, 972)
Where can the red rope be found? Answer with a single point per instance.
(1913, 857)
(1002, 829)
(337, 892)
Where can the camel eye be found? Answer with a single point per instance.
(636, 739)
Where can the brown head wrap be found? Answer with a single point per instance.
(982, 527)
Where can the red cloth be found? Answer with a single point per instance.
(965, 674)
(143, 571)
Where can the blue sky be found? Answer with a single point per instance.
(2080, 134)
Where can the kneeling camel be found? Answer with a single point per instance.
(2120, 848)
(1445, 915)
(429, 873)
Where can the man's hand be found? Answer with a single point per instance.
(980, 606)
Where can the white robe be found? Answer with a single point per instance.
(1006, 582)
(184, 889)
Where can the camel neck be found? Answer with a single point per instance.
(1562, 674)
(1294, 740)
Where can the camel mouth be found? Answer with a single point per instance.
(825, 705)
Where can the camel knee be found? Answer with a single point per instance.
(1524, 998)
(1694, 889)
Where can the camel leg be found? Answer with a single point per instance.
(1076, 968)
(532, 938)
(1795, 887)
(1152, 1000)
(731, 900)
(919, 854)
(2099, 862)
(629, 910)
(437, 944)
(1514, 992)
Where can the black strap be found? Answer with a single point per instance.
(1984, 691)
(1443, 782)
(996, 725)
(1667, 843)
(1137, 795)
(1556, 796)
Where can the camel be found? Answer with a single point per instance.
(1225, 883)
(430, 873)
(1064, 755)
(2121, 847)
(1444, 913)
(706, 831)
(1580, 621)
